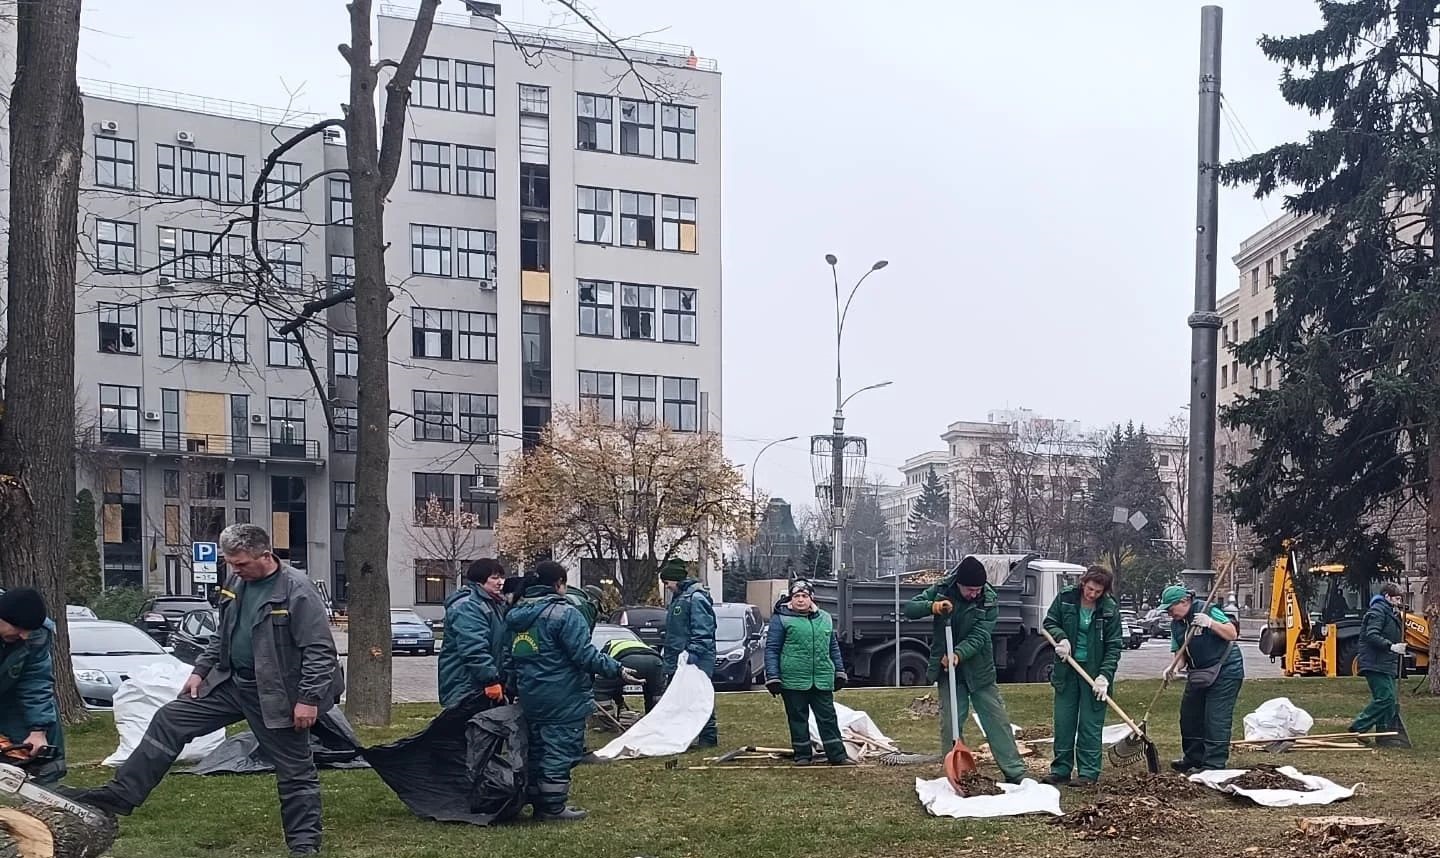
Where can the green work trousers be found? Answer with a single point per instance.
(1079, 720)
(1206, 718)
(798, 706)
(1384, 705)
(994, 720)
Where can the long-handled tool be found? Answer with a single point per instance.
(1133, 746)
(960, 761)
(1398, 725)
(753, 749)
(1185, 642)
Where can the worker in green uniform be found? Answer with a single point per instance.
(690, 628)
(554, 663)
(1215, 671)
(1381, 648)
(966, 601)
(476, 640)
(1085, 622)
(804, 666)
(28, 714)
(641, 658)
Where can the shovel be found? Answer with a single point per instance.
(1131, 746)
(960, 761)
(1402, 739)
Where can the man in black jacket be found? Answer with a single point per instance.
(1381, 648)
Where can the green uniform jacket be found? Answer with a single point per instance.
(553, 660)
(1206, 650)
(27, 689)
(1379, 629)
(1102, 653)
(801, 650)
(690, 628)
(973, 622)
(476, 641)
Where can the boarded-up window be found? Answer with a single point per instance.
(111, 517)
(172, 524)
(280, 530)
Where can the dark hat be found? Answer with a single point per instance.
(970, 572)
(800, 585)
(23, 608)
(674, 569)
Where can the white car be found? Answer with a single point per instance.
(104, 654)
(79, 612)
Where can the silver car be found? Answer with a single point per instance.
(104, 654)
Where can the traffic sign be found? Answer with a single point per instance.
(207, 578)
(204, 560)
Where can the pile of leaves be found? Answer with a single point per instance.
(924, 707)
(974, 783)
(1130, 818)
(1267, 777)
(1381, 841)
(1138, 782)
(1032, 734)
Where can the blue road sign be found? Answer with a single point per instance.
(204, 552)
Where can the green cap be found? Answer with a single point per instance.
(674, 569)
(1173, 594)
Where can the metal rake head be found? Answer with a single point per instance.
(1133, 748)
(898, 758)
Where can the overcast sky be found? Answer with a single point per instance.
(1028, 172)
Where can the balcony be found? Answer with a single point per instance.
(186, 444)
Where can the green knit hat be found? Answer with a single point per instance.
(674, 569)
(1173, 594)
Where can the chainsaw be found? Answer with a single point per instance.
(14, 780)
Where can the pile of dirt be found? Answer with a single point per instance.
(928, 576)
(1381, 841)
(1131, 818)
(974, 783)
(1135, 783)
(1267, 777)
(1034, 734)
(924, 707)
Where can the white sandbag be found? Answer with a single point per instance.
(854, 721)
(673, 724)
(1028, 796)
(1323, 790)
(140, 697)
(1277, 719)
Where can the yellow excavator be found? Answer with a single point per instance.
(1320, 636)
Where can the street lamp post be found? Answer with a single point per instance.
(837, 435)
(753, 512)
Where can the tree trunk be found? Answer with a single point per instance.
(1432, 548)
(374, 159)
(37, 433)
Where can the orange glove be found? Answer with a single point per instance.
(941, 607)
(495, 692)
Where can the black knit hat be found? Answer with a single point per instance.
(970, 572)
(23, 608)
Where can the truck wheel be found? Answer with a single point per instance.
(1347, 658)
(913, 667)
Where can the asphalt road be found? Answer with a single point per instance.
(415, 679)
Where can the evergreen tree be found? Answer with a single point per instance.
(1127, 477)
(865, 529)
(83, 582)
(815, 559)
(1345, 439)
(930, 524)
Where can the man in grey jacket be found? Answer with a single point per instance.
(272, 663)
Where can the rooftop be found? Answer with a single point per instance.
(196, 103)
(575, 37)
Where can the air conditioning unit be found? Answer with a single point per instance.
(257, 419)
(109, 126)
(152, 416)
(487, 285)
(184, 137)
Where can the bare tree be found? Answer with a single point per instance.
(37, 433)
(445, 537)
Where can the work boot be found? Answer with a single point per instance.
(1184, 767)
(1084, 783)
(845, 762)
(804, 761)
(1056, 780)
(98, 798)
(568, 814)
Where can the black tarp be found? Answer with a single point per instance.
(467, 765)
(332, 740)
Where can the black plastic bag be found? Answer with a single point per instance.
(332, 741)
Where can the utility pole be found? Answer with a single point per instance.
(1204, 322)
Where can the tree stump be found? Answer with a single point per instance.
(1337, 826)
(43, 831)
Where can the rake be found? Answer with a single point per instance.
(1136, 743)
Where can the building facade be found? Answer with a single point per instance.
(554, 242)
(898, 502)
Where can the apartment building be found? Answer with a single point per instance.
(557, 227)
(898, 502)
(554, 235)
(199, 412)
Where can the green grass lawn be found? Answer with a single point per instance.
(643, 809)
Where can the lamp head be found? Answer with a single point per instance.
(830, 258)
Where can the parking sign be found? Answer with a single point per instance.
(204, 557)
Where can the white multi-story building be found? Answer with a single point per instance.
(554, 241)
(897, 502)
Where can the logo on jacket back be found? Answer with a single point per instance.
(525, 645)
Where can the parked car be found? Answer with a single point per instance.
(739, 645)
(1157, 623)
(160, 616)
(410, 633)
(196, 628)
(646, 621)
(1134, 634)
(103, 654)
(606, 632)
(79, 612)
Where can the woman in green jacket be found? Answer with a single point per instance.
(1085, 622)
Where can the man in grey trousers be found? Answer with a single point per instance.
(272, 663)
